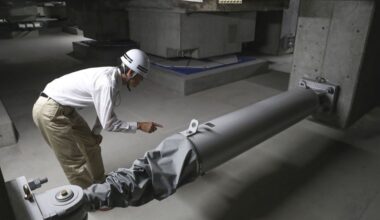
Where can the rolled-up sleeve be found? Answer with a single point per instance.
(104, 105)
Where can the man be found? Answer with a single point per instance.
(75, 145)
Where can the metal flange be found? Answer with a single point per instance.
(327, 92)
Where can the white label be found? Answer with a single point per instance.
(225, 2)
(200, 1)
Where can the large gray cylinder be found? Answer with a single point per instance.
(223, 138)
(181, 158)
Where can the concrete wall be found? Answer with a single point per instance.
(97, 20)
(205, 5)
(23, 12)
(196, 35)
(368, 89)
(217, 34)
(332, 39)
(276, 30)
(155, 31)
(268, 32)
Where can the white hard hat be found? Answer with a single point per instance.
(137, 61)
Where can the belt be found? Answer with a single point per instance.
(66, 110)
(44, 95)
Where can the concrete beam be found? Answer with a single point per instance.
(189, 84)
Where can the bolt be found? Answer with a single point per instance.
(330, 90)
(28, 194)
(64, 193)
(320, 79)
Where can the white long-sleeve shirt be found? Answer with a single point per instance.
(96, 87)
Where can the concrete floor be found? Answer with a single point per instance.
(307, 172)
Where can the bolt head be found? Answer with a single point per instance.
(330, 90)
(64, 193)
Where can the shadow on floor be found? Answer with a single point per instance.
(272, 79)
(259, 196)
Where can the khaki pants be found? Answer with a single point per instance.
(72, 141)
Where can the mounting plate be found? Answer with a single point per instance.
(327, 91)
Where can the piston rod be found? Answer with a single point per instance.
(227, 136)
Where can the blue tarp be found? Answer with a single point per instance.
(192, 70)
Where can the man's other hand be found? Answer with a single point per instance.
(98, 138)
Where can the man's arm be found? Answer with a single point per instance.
(104, 106)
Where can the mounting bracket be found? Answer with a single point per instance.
(193, 128)
(327, 92)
